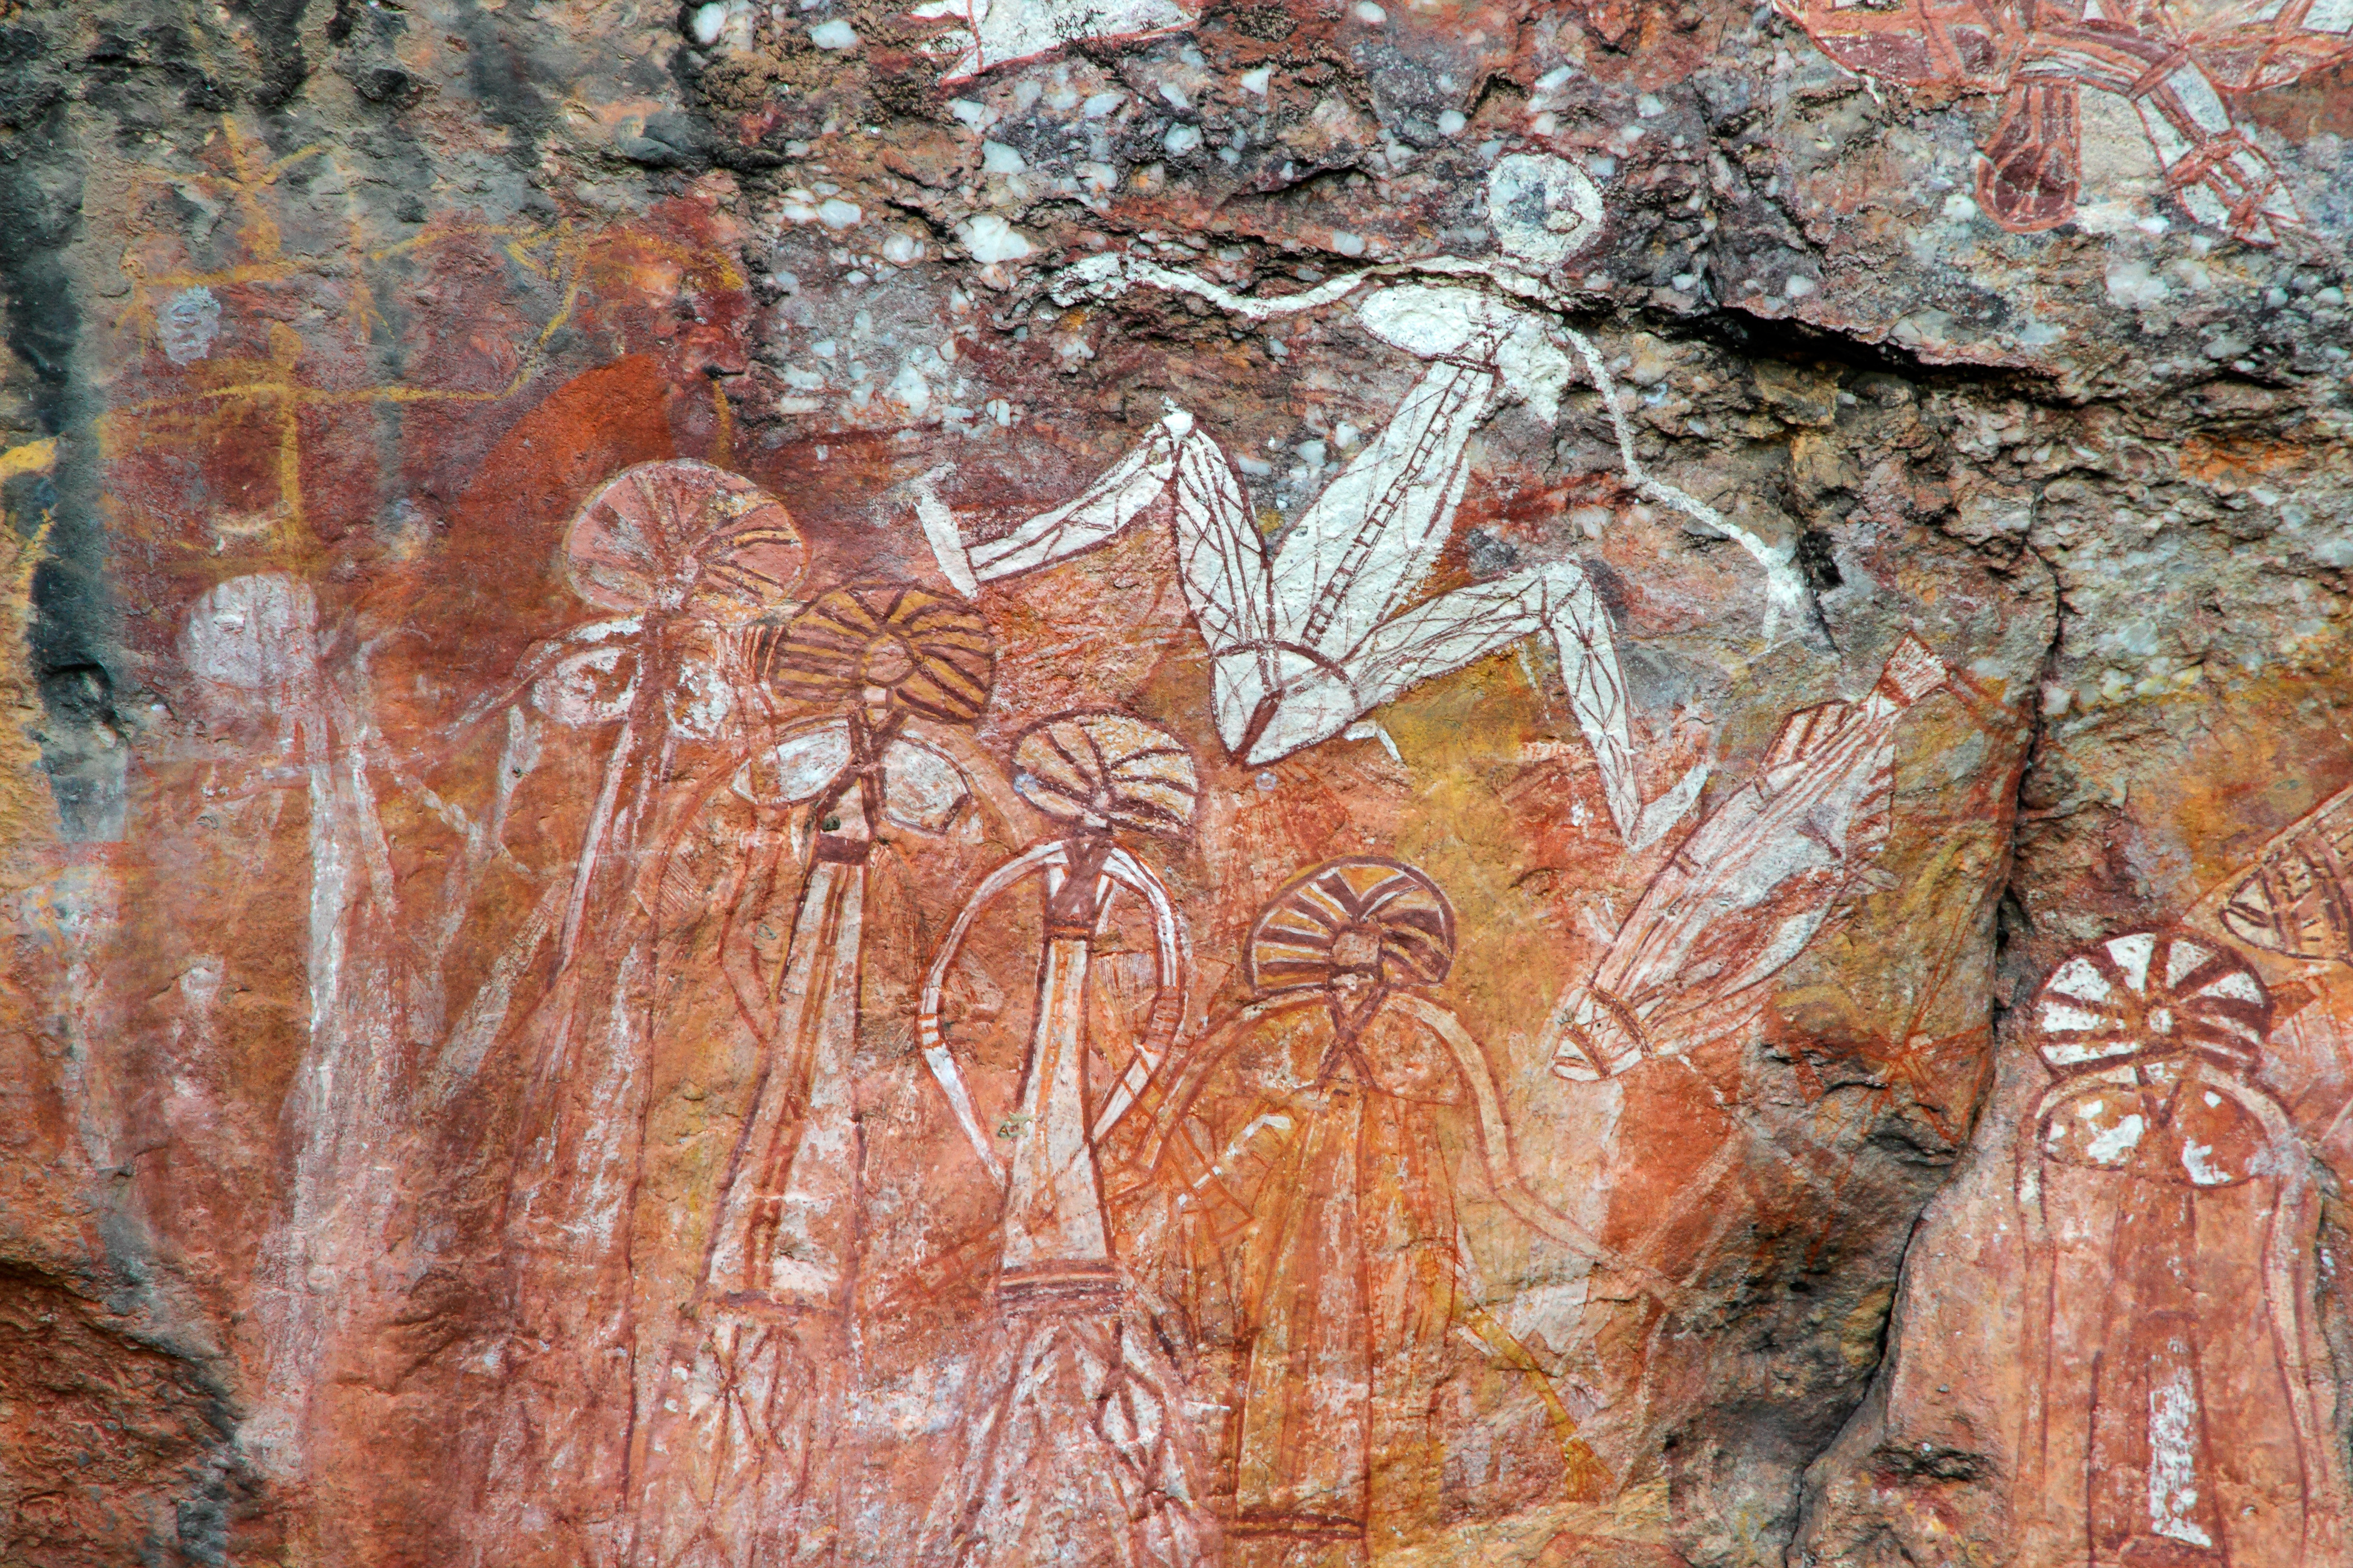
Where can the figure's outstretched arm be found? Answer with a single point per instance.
(1100, 512)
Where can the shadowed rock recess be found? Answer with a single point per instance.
(1175, 783)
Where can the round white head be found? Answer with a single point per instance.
(1543, 209)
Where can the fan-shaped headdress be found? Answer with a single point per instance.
(684, 535)
(1111, 769)
(931, 654)
(2150, 994)
(1398, 917)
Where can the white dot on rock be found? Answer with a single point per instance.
(990, 240)
(1798, 288)
(835, 213)
(1182, 139)
(1451, 123)
(834, 35)
(1372, 15)
(1348, 244)
(708, 21)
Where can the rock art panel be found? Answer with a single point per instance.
(1269, 785)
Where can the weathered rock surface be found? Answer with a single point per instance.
(1272, 783)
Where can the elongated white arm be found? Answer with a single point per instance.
(1100, 511)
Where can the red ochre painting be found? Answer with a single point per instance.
(1282, 787)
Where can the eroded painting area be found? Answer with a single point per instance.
(1181, 786)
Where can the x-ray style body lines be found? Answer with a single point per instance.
(2296, 900)
(1072, 1443)
(737, 1465)
(685, 554)
(1301, 1140)
(990, 33)
(2178, 1403)
(1749, 889)
(2181, 67)
(1307, 639)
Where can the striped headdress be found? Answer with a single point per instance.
(1125, 772)
(1294, 946)
(931, 653)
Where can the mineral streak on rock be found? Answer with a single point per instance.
(1257, 783)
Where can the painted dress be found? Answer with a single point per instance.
(680, 557)
(1073, 1442)
(2180, 1390)
(741, 1417)
(1316, 1215)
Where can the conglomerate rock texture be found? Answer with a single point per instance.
(1246, 782)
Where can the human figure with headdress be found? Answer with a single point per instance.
(681, 559)
(1072, 1445)
(1301, 1136)
(2178, 1394)
(739, 1420)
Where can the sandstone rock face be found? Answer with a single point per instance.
(1282, 785)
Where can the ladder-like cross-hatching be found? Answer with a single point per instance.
(1310, 635)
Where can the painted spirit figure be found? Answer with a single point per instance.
(2181, 1401)
(737, 1465)
(252, 644)
(1303, 1137)
(2179, 65)
(1308, 637)
(1749, 889)
(680, 557)
(1073, 1448)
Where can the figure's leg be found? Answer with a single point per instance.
(1365, 545)
(2223, 179)
(1100, 511)
(1469, 624)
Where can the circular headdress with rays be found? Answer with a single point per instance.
(2150, 994)
(682, 534)
(1107, 767)
(1349, 916)
(931, 654)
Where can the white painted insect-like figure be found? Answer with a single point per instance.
(2179, 1396)
(738, 1464)
(1750, 887)
(1309, 637)
(985, 34)
(680, 557)
(1074, 1445)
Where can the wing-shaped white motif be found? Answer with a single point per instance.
(1222, 560)
(1748, 889)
